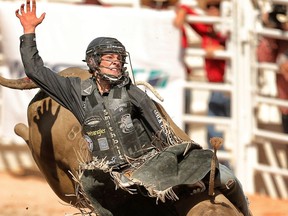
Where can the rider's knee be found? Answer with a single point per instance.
(226, 179)
(230, 183)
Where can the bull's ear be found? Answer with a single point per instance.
(180, 133)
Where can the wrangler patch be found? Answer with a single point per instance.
(98, 132)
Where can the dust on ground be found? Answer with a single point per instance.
(32, 196)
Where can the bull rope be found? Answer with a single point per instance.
(151, 88)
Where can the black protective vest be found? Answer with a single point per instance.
(111, 126)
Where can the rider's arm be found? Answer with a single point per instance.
(65, 91)
(147, 110)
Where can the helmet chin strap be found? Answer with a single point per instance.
(108, 77)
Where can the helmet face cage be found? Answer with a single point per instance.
(101, 46)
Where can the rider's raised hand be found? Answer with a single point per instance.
(28, 17)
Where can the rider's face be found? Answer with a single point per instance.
(111, 64)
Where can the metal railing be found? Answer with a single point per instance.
(242, 64)
(275, 170)
(191, 118)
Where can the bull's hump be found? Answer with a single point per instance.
(75, 72)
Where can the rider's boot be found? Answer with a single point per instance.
(230, 186)
(91, 188)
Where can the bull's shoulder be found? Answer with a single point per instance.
(75, 72)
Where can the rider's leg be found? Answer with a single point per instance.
(230, 186)
(100, 190)
(91, 188)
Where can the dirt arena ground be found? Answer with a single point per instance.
(32, 196)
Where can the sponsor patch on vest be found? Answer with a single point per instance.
(93, 121)
(88, 90)
(126, 123)
(159, 118)
(90, 142)
(103, 144)
(120, 107)
(98, 132)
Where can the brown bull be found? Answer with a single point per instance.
(55, 141)
(53, 136)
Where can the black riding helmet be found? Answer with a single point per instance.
(103, 45)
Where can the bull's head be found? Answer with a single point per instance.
(53, 136)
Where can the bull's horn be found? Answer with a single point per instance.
(23, 131)
(22, 83)
(151, 88)
(26, 83)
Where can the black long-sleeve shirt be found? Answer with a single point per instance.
(67, 90)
